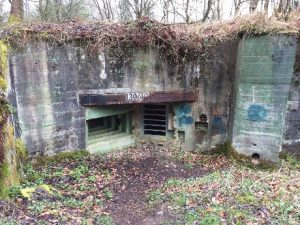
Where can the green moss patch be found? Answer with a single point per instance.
(62, 157)
(4, 174)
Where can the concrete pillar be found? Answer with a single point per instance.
(262, 83)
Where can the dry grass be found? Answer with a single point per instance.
(178, 39)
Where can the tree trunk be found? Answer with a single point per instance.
(266, 6)
(253, 5)
(281, 6)
(186, 11)
(207, 11)
(218, 10)
(17, 10)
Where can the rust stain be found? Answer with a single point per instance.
(137, 98)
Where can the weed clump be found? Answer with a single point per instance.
(230, 153)
(60, 158)
(290, 159)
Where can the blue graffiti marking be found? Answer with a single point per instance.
(186, 120)
(185, 109)
(257, 113)
(218, 125)
(183, 115)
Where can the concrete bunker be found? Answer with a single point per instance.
(115, 121)
(67, 99)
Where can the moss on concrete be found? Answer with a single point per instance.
(11, 152)
(4, 173)
(15, 154)
(3, 66)
(21, 151)
(60, 157)
(13, 20)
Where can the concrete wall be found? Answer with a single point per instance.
(291, 138)
(263, 79)
(47, 78)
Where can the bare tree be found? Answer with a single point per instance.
(266, 5)
(166, 5)
(253, 5)
(237, 5)
(17, 9)
(141, 8)
(104, 9)
(124, 10)
(60, 10)
(182, 9)
(218, 9)
(207, 10)
(285, 7)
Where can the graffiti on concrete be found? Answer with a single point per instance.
(218, 125)
(257, 113)
(183, 115)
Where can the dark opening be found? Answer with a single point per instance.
(201, 128)
(155, 119)
(203, 118)
(95, 123)
(109, 133)
(256, 156)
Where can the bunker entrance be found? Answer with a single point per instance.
(109, 116)
(110, 132)
(155, 119)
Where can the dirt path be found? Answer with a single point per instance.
(135, 179)
(129, 176)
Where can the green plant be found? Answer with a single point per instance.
(37, 207)
(210, 219)
(181, 199)
(84, 221)
(191, 217)
(154, 196)
(225, 149)
(98, 202)
(173, 182)
(21, 150)
(246, 198)
(104, 220)
(92, 179)
(292, 161)
(59, 172)
(79, 171)
(14, 191)
(31, 175)
(6, 221)
(73, 203)
(108, 193)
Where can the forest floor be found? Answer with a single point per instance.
(154, 184)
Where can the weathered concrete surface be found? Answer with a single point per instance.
(263, 81)
(291, 138)
(215, 100)
(47, 79)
